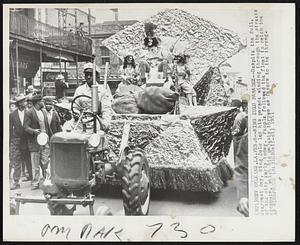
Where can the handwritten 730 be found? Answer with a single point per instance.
(92, 233)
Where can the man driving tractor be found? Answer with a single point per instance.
(104, 95)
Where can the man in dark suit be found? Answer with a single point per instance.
(36, 122)
(53, 118)
(18, 142)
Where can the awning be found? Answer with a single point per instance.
(55, 56)
(48, 56)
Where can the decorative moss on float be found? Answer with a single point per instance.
(185, 152)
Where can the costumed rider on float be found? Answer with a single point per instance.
(167, 61)
(130, 77)
(183, 74)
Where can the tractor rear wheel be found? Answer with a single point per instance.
(136, 184)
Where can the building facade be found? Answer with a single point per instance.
(33, 43)
(99, 32)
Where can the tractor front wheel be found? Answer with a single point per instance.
(136, 184)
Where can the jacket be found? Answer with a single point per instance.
(240, 148)
(55, 123)
(17, 130)
(31, 122)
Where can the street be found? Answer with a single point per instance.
(163, 202)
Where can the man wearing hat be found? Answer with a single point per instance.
(18, 142)
(30, 91)
(60, 87)
(104, 94)
(36, 122)
(53, 118)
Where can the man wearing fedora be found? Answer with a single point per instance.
(36, 122)
(104, 94)
(30, 91)
(60, 87)
(18, 142)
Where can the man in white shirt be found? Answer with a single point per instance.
(19, 154)
(104, 95)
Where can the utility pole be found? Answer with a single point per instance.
(17, 66)
(116, 11)
(89, 20)
(39, 23)
(39, 15)
(58, 13)
(64, 12)
(75, 19)
(46, 14)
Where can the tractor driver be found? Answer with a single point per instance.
(104, 94)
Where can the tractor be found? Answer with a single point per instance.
(81, 161)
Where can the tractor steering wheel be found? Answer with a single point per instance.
(87, 114)
(77, 108)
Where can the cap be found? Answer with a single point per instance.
(36, 97)
(60, 77)
(90, 65)
(20, 98)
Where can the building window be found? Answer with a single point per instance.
(105, 55)
(72, 64)
(104, 60)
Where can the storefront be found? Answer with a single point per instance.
(24, 65)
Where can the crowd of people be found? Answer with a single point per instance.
(27, 158)
(33, 114)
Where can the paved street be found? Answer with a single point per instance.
(162, 202)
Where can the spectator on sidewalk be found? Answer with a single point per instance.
(240, 144)
(36, 122)
(30, 91)
(53, 118)
(60, 87)
(19, 153)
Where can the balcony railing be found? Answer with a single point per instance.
(34, 29)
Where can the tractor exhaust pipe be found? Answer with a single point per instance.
(95, 98)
